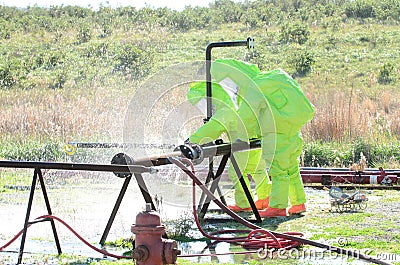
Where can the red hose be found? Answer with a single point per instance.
(74, 232)
(256, 238)
(293, 236)
(13, 239)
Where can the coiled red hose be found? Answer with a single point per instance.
(256, 238)
(294, 237)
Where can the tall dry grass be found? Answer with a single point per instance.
(98, 113)
(61, 114)
(343, 116)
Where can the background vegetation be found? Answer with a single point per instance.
(67, 72)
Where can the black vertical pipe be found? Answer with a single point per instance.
(210, 46)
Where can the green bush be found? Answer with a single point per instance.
(7, 79)
(386, 72)
(133, 61)
(58, 79)
(294, 32)
(302, 61)
(360, 9)
(84, 34)
(32, 150)
(318, 154)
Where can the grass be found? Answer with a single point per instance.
(14, 178)
(343, 86)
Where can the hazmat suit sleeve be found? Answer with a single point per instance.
(221, 122)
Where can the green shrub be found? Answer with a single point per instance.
(132, 60)
(58, 79)
(32, 150)
(386, 72)
(84, 34)
(360, 9)
(7, 79)
(302, 61)
(319, 154)
(294, 32)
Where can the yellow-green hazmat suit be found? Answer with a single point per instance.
(226, 120)
(282, 109)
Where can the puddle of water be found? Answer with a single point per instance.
(85, 203)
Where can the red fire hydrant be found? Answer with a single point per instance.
(150, 247)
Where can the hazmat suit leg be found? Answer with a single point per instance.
(279, 168)
(259, 175)
(249, 163)
(297, 195)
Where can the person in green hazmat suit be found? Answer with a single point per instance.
(225, 103)
(275, 107)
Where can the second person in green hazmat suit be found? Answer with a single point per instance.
(281, 109)
(226, 99)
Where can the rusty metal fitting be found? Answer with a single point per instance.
(170, 251)
(140, 253)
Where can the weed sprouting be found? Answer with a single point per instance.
(179, 228)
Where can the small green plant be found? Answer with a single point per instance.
(179, 228)
(7, 79)
(133, 61)
(84, 34)
(58, 80)
(385, 73)
(121, 243)
(360, 9)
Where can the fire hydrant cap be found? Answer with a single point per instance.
(151, 218)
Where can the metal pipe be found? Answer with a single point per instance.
(207, 152)
(77, 166)
(249, 43)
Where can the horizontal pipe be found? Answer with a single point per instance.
(118, 145)
(76, 166)
(334, 169)
(207, 151)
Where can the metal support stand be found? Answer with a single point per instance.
(203, 206)
(146, 196)
(37, 174)
(245, 189)
(205, 203)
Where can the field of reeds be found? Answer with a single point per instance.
(69, 73)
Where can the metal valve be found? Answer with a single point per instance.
(250, 43)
